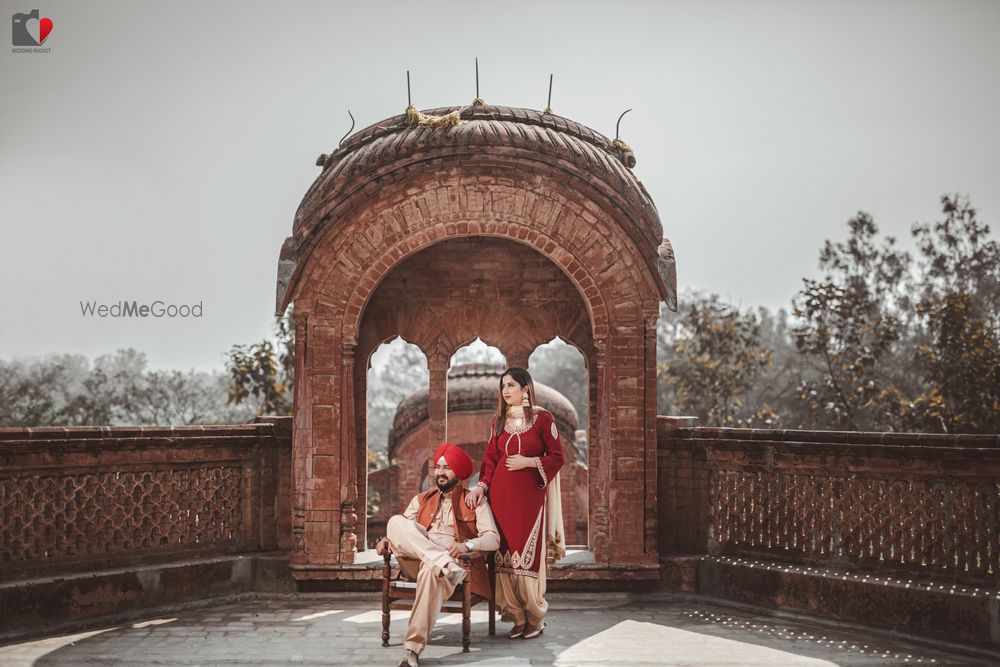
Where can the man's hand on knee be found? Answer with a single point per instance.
(384, 546)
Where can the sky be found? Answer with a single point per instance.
(158, 151)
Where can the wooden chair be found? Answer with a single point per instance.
(399, 593)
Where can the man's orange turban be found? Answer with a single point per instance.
(456, 458)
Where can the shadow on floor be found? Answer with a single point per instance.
(604, 629)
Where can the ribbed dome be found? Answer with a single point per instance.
(482, 126)
(473, 388)
(485, 131)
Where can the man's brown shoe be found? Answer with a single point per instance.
(515, 632)
(532, 631)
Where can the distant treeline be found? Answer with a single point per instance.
(113, 389)
(884, 341)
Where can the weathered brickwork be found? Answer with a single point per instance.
(78, 498)
(514, 226)
(899, 531)
(915, 505)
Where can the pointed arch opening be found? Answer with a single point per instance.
(478, 352)
(396, 369)
(561, 366)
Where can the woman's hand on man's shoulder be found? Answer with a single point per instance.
(475, 497)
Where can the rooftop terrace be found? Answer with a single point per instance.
(583, 629)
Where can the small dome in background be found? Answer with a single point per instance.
(474, 388)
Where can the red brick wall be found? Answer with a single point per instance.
(915, 504)
(90, 498)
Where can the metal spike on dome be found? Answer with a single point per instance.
(349, 131)
(618, 124)
(478, 102)
(627, 154)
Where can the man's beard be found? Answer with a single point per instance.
(447, 486)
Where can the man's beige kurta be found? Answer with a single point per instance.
(423, 555)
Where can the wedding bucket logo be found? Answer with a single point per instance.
(29, 32)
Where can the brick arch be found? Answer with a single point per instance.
(386, 341)
(460, 344)
(407, 301)
(331, 256)
(589, 292)
(497, 143)
(571, 343)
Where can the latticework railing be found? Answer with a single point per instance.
(74, 499)
(927, 506)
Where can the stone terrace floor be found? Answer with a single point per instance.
(583, 629)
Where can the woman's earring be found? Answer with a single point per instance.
(525, 402)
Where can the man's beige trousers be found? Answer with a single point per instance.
(423, 559)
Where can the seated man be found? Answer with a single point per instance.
(436, 528)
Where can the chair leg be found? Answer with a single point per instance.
(466, 614)
(491, 569)
(493, 617)
(385, 603)
(385, 627)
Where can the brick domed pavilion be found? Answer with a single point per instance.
(511, 225)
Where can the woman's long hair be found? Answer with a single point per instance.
(523, 378)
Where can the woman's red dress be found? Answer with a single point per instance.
(517, 497)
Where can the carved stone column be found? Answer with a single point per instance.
(651, 539)
(361, 445)
(349, 486)
(598, 454)
(301, 435)
(437, 396)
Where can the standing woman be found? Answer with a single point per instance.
(519, 472)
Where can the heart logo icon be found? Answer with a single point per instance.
(45, 27)
(39, 29)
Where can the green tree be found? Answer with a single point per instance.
(957, 256)
(717, 356)
(777, 385)
(959, 303)
(263, 373)
(849, 328)
(963, 369)
(667, 332)
(100, 393)
(29, 393)
(112, 390)
(172, 397)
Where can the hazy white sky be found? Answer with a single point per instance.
(160, 149)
